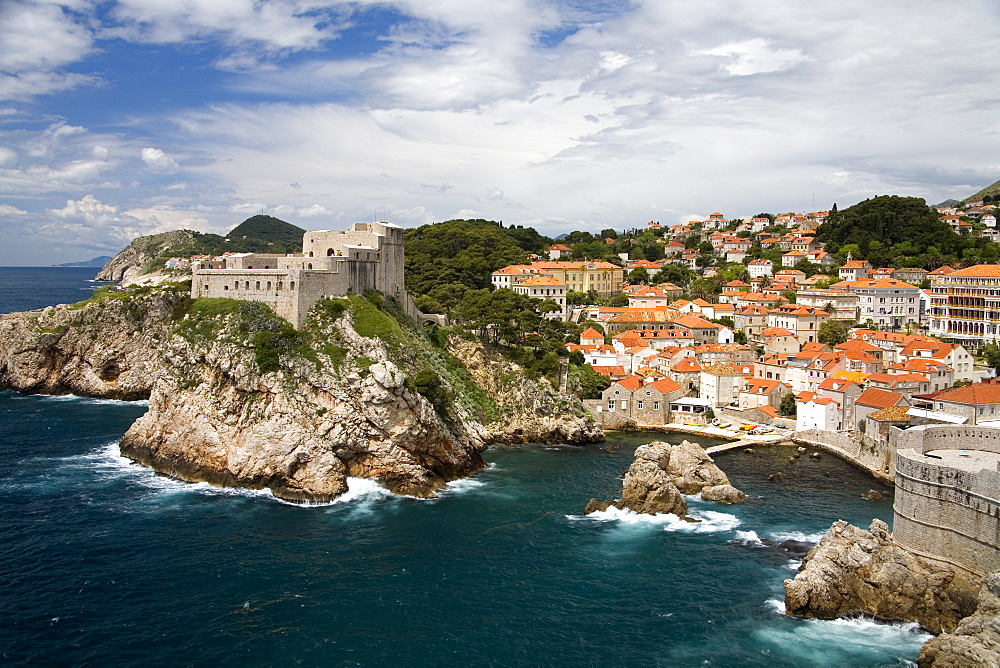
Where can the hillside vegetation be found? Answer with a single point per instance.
(989, 193)
(900, 231)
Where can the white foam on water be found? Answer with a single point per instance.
(842, 642)
(710, 521)
(794, 564)
(748, 538)
(775, 605)
(813, 538)
(462, 485)
(93, 401)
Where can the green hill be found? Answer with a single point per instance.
(266, 234)
(991, 191)
(890, 228)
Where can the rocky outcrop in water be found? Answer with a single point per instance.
(239, 398)
(976, 639)
(662, 473)
(853, 570)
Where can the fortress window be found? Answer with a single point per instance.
(309, 266)
(247, 285)
(330, 252)
(269, 285)
(206, 287)
(291, 285)
(224, 287)
(310, 253)
(257, 286)
(279, 285)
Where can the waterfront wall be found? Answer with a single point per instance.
(944, 511)
(878, 461)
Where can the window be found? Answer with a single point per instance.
(624, 404)
(611, 404)
(656, 405)
(640, 405)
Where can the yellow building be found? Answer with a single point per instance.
(604, 278)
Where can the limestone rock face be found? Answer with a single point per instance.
(853, 570)
(662, 473)
(531, 410)
(109, 349)
(976, 639)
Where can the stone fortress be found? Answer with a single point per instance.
(947, 504)
(366, 256)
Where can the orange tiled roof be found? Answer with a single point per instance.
(878, 398)
(978, 271)
(977, 393)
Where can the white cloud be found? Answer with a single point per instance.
(755, 56)
(10, 210)
(39, 36)
(158, 161)
(276, 25)
(643, 111)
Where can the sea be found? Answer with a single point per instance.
(104, 562)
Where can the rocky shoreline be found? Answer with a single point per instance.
(236, 398)
(855, 571)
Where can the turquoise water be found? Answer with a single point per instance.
(104, 562)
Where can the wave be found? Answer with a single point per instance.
(748, 538)
(709, 521)
(839, 642)
(92, 401)
(798, 536)
(775, 605)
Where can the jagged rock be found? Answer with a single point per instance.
(687, 464)
(874, 495)
(723, 494)
(647, 488)
(129, 263)
(853, 570)
(662, 473)
(976, 639)
(532, 411)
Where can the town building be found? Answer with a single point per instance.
(965, 304)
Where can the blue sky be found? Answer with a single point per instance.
(119, 119)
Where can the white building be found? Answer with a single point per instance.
(889, 303)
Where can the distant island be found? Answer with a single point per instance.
(93, 262)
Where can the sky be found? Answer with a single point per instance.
(132, 117)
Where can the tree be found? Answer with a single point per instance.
(991, 354)
(788, 407)
(592, 384)
(833, 332)
(638, 275)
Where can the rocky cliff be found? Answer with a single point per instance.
(662, 473)
(853, 570)
(130, 263)
(976, 639)
(237, 397)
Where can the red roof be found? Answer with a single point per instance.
(878, 398)
(977, 393)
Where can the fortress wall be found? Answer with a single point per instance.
(877, 460)
(942, 510)
(938, 514)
